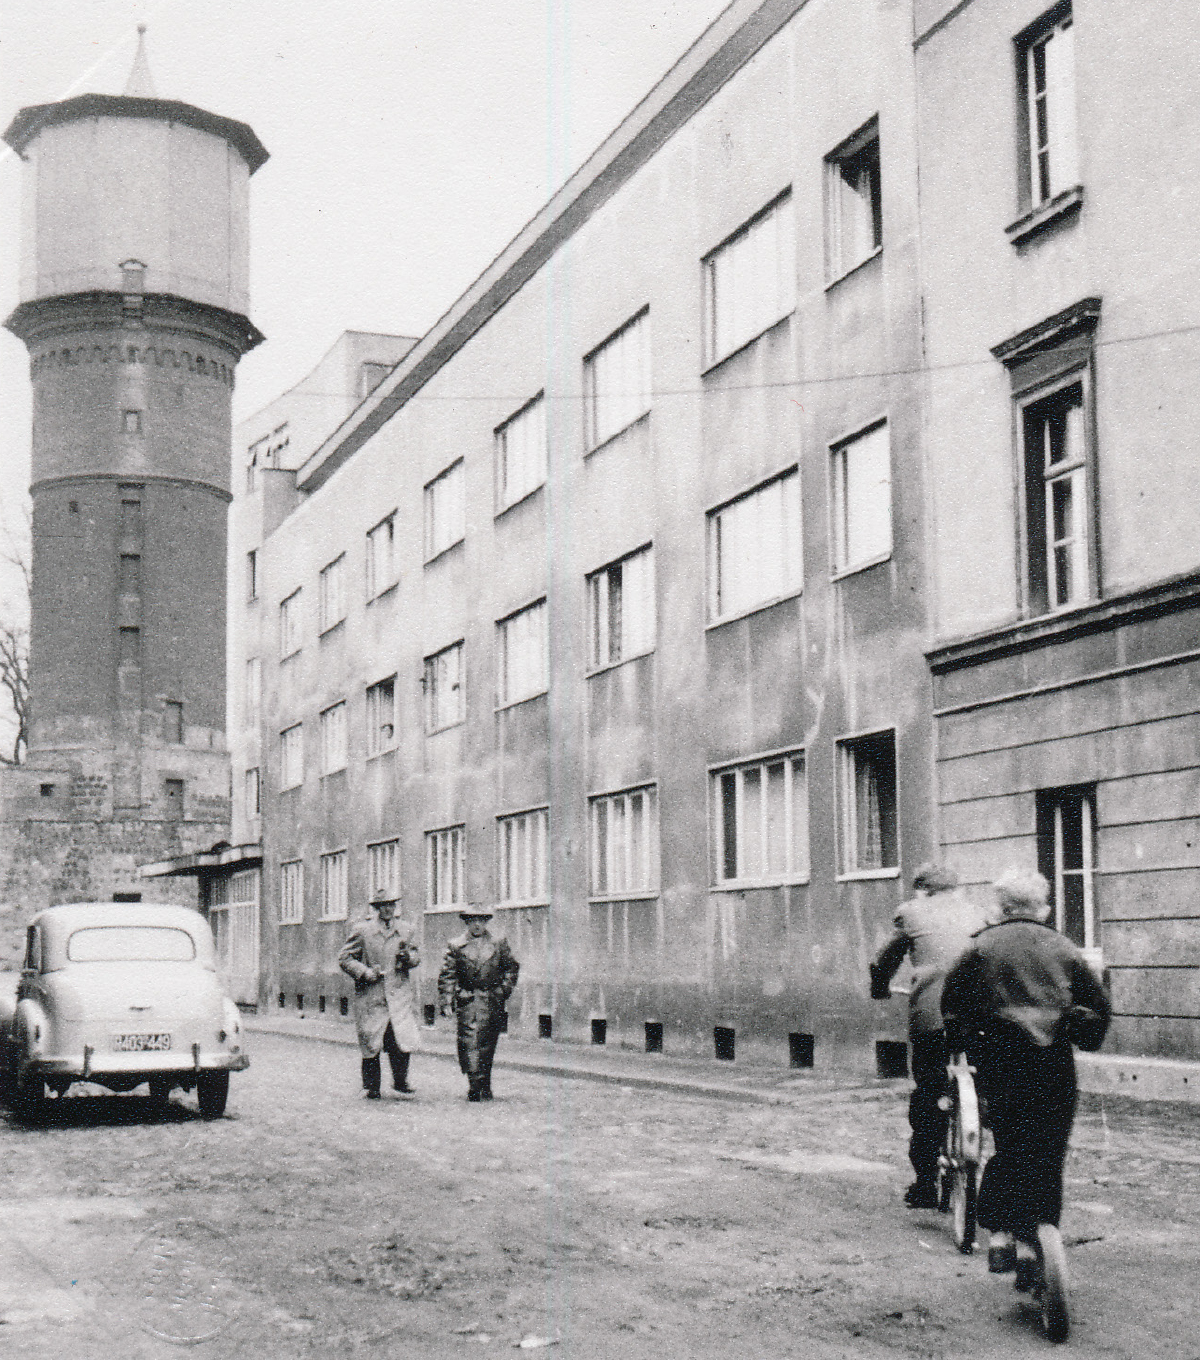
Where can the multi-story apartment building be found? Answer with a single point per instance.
(1060, 283)
(607, 605)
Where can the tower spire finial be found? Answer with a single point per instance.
(140, 84)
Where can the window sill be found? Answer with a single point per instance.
(446, 911)
(520, 906)
(613, 665)
(292, 923)
(753, 884)
(1046, 214)
(512, 505)
(715, 364)
(325, 920)
(287, 656)
(329, 774)
(854, 268)
(447, 727)
(524, 699)
(599, 901)
(754, 609)
(387, 590)
(441, 552)
(378, 755)
(291, 788)
(332, 628)
(840, 573)
(867, 875)
(616, 434)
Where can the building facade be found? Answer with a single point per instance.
(1060, 284)
(134, 309)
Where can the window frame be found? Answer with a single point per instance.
(393, 879)
(847, 806)
(286, 761)
(792, 587)
(371, 564)
(251, 575)
(253, 694)
(291, 892)
(787, 756)
(1051, 851)
(851, 149)
(457, 834)
(542, 869)
(290, 624)
(331, 594)
(376, 744)
(339, 861)
(592, 618)
(434, 548)
(1030, 198)
(592, 396)
(337, 732)
(429, 683)
(500, 444)
(252, 780)
(781, 205)
(503, 698)
(838, 507)
(653, 845)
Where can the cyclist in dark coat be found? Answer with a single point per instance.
(1016, 1001)
(477, 978)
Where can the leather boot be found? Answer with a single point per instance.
(399, 1063)
(370, 1077)
(474, 1088)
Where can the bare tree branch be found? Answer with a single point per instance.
(14, 646)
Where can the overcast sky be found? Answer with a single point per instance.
(409, 143)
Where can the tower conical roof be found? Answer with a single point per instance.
(140, 84)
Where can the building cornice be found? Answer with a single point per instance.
(41, 317)
(1080, 318)
(717, 55)
(31, 120)
(1172, 596)
(142, 478)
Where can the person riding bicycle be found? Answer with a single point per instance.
(1016, 1002)
(932, 929)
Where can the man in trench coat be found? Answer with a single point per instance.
(477, 978)
(380, 955)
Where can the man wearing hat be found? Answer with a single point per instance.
(380, 956)
(477, 978)
(933, 930)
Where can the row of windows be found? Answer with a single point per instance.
(759, 835)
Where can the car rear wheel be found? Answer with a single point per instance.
(212, 1091)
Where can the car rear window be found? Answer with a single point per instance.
(145, 944)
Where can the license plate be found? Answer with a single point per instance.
(141, 1043)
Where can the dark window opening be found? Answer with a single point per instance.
(1057, 501)
(282, 1001)
(344, 1005)
(545, 1027)
(869, 823)
(320, 1005)
(1066, 849)
(173, 722)
(299, 1001)
(599, 1031)
(723, 1043)
(47, 790)
(127, 897)
(73, 507)
(891, 1058)
(430, 1014)
(654, 1036)
(800, 1050)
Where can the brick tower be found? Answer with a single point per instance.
(133, 307)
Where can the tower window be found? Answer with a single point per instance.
(173, 794)
(132, 422)
(173, 722)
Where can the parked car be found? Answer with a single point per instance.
(119, 994)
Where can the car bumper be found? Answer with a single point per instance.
(98, 1063)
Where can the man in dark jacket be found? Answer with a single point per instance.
(1016, 1001)
(931, 930)
(477, 978)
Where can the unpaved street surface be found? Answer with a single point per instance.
(611, 1222)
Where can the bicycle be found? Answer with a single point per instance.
(962, 1152)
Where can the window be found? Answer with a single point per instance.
(750, 281)
(445, 695)
(334, 886)
(624, 843)
(333, 739)
(332, 595)
(621, 614)
(760, 821)
(381, 716)
(867, 795)
(173, 797)
(862, 500)
(252, 574)
(1058, 501)
(1046, 56)
(754, 548)
(383, 868)
(1066, 831)
(129, 646)
(291, 893)
(370, 375)
(289, 625)
(521, 844)
(521, 453)
(291, 757)
(173, 722)
(445, 511)
(616, 381)
(853, 201)
(131, 422)
(253, 691)
(253, 793)
(444, 857)
(522, 658)
(381, 557)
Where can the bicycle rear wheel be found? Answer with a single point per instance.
(963, 1194)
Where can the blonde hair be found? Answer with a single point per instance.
(1023, 892)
